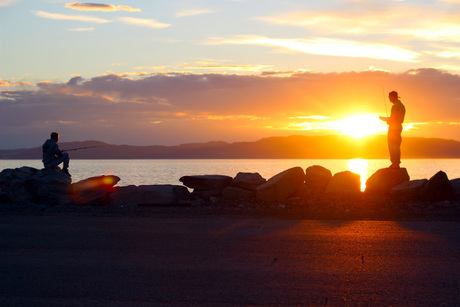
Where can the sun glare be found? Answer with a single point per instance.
(361, 125)
(360, 167)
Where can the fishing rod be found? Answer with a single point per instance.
(384, 100)
(88, 147)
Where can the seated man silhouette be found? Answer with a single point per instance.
(52, 156)
(398, 111)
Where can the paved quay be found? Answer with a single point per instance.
(84, 260)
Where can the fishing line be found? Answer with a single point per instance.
(384, 101)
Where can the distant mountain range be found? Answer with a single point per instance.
(290, 147)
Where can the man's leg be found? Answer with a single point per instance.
(394, 146)
(65, 159)
(62, 159)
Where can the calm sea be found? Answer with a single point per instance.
(159, 171)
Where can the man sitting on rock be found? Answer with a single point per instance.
(52, 156)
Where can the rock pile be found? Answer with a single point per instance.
(52, 187)
(316, 187)
(281, 186)
(206, 186)
(27, 184)
(384, 179)
(151, 195)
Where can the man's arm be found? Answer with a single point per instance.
(55, 150)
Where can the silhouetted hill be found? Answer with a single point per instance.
(291, 147)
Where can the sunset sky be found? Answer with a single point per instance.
(169, 72)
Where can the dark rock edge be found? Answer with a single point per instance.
(356, 207)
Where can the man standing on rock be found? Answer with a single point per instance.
(398, 111)
(52, 156)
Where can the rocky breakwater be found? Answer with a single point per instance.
(51, 187)
(27, 186)
(315, 192)
(323, 194)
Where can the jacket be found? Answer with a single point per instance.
(398, 111)
(50, 151)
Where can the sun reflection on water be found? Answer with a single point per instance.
(360, 167)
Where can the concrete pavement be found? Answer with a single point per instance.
(65, 260)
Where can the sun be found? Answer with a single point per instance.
(361, 125)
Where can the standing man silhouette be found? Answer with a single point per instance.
(398, 111)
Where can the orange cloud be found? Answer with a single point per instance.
(4, 83)
(71, 17)
(100, 7)
(10, 83)
(152, 67)
(227, 107)
(233, 117)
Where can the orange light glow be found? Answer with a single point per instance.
(107, 180)
(361, 125)
(360, 167)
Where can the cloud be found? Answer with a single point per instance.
(10, 83)
(241, 68)
(449, 67)
(447, 52)
(408, 21)
(232, 117)
(178, 108)
(151, 23)
(328, 22)
(71, 17)
(447, 31)
(326, 46)
(152, 67)
(4, 83)
(5, 3)
(192, 12)
(82, 29)
(100, 7)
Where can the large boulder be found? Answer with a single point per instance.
(205, 186)
(438, 188)
(236, 193)
(94, 190)
(248, 181)
(282, 185)
(384, 179)
(344, 184)
(151, 195)
(17, 185)
(50, 185)
(456, 186)
(27, 184)
(317, 178)
(206, 182)
(408, 190)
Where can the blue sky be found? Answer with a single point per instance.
(46, 44)
(54, 40)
